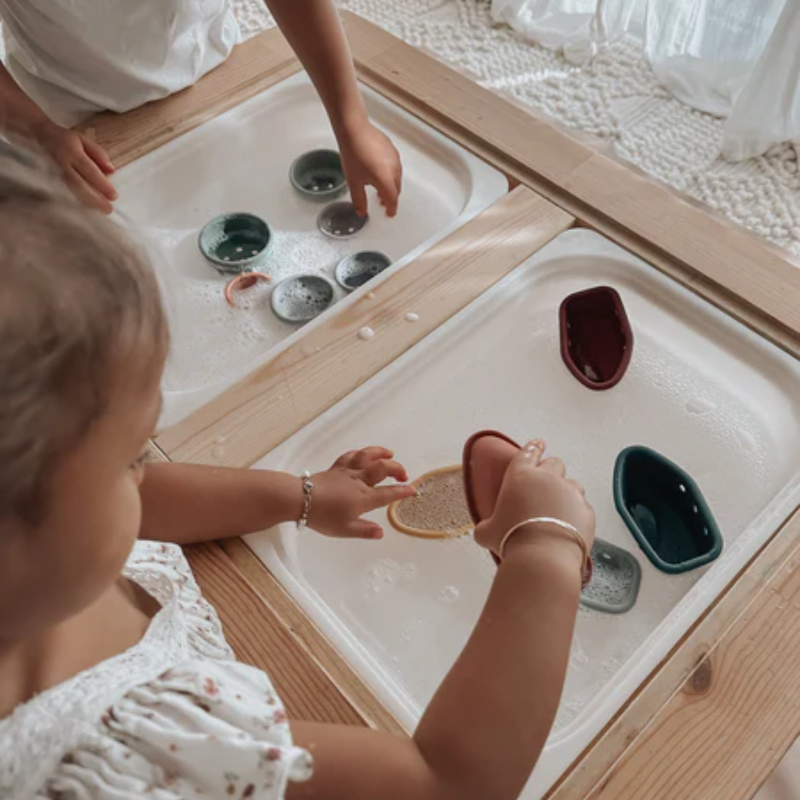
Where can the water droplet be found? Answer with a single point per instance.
(307, 350)
(412, 317)
(370, 295)
(366, 333)
(449, 594)
(745, 439)
(217, 452)
(699, 405)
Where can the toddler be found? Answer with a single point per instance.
(116, 682)
(69, 59)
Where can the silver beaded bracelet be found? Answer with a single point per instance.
(308, 488)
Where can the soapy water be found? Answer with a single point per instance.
(387, 573)
(746, 439)
(211, 341)
(608, 643)
(449, 594)
(699, 405)
(302, 299)
(578, 660)
(731, 422)
(445, 406)
(360, 268)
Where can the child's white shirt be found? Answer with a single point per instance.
(173, 718)
(77, 57)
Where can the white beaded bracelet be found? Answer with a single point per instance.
(558, 523)
(308, 489)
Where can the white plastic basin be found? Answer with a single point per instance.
(701, 389)
(240, 161)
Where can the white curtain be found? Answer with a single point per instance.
(738, 59)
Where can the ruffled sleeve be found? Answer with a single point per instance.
(201, 730)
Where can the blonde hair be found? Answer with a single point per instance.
(76, 298)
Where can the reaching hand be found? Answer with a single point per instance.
(83, 163)
(370, 159)
(536, 487)
(350, 488)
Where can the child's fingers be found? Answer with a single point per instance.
(388, 193)
(385, 468)
(386, 495)
(346, 459)
(91, 173)
(554, 465)
(98, 155)
(363, 529)
(358, 195)
(576, 485)
(530, 453)
(85, 193)
(367, 455)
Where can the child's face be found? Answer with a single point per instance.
(92, 517)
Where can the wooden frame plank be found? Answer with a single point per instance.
(300, 383)
(666, 745)
(722, 262)
(260, 638)
(252, 67)
(285, 611)
(615, 757)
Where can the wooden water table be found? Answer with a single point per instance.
(718, 713)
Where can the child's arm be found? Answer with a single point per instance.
(83, 163)
(485, 728)
(314, 31)
(189, 503)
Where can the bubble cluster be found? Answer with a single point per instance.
(387, 573)
(212, 342)
(449, 594)
(302, 298)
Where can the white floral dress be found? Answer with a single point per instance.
(173, 718)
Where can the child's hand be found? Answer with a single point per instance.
(536, 487)
(83, 163)
(349, 489)
(370, 159)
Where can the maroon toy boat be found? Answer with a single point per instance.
(596, 337)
